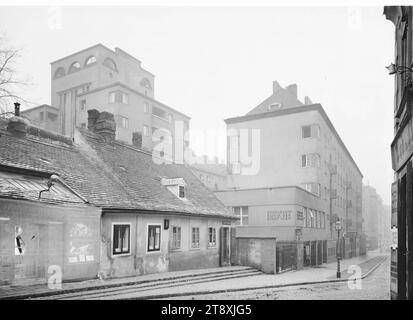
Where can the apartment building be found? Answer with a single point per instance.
(44, 116)
(300, 183)
(112, 81)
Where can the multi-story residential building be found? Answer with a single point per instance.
(402, 152)
(372, 210)
(44, 116)
(299, 177)
(212, 174)
(113, 81)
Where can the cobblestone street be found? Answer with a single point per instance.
(374, 287)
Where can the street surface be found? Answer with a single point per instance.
(376, 286)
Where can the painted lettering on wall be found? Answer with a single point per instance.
(276, 215)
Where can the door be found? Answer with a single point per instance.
(325, 251)
(224, 246)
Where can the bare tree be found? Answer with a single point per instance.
(10, 82)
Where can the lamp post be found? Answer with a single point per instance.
(338, 250)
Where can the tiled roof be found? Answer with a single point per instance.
(110, 175)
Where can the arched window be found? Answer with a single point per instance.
(90, 60)
(74, 67)
(146, 83)
(60, 72)
(108, 62)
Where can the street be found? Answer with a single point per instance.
(374, 287)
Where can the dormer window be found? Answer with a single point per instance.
(175, 186)
(181, 192)
(274, 106)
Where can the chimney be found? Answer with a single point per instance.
(275, 86)
(105, 126)
(92, 117)
(17, 125)
(307, 100)
(17, 109)
(292, 89)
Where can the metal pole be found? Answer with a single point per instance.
(338, 254)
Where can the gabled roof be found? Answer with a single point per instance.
(110, 175)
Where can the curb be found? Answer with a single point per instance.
(197, 293)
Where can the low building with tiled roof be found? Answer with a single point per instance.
(139, 217)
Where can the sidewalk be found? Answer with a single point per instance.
(323, 273)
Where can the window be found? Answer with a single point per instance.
(122, 122)
(74, 67)
(181, 192)
(118, 96)
(145, 130)
(311, 131)
(60, 72)
(242, 213)
(212, 237)
(90, 60)
(82, 104)
(145, 107)
(41, 116)
(274, 106)
(154, 238)
(121, 239)
(195, 238)
(313, 188)
(159, 112)
(108, 62)
(176, 238)
(310, 160)
(146, 83)
(311, 213)
(51, 116)
(304, 217)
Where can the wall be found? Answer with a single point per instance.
(140, 261)
(66, 236)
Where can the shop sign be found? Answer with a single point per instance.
(402, 146)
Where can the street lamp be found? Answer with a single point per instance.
(338, 249)
(394, 68)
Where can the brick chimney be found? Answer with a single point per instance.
(307, 100)
(103, 124)
(292, 89)
(17, 125)
(92, 117)
(275, 86)
(106, 127)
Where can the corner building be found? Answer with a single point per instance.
(307, 180)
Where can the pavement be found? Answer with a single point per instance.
(195, 282)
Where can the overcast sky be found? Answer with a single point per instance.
(216, 63)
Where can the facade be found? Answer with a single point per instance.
(372, 211)
(402, 151)
(213, 175)
(112, 211)
(301, 181)
(113, 81)
(44, 116)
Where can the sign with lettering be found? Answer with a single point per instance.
(402, 146)
(276, 215)
(394, 238)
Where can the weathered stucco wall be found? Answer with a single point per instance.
(140, 261)
(62, 238)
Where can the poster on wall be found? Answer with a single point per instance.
(81, 246)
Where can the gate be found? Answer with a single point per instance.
(286, 256)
